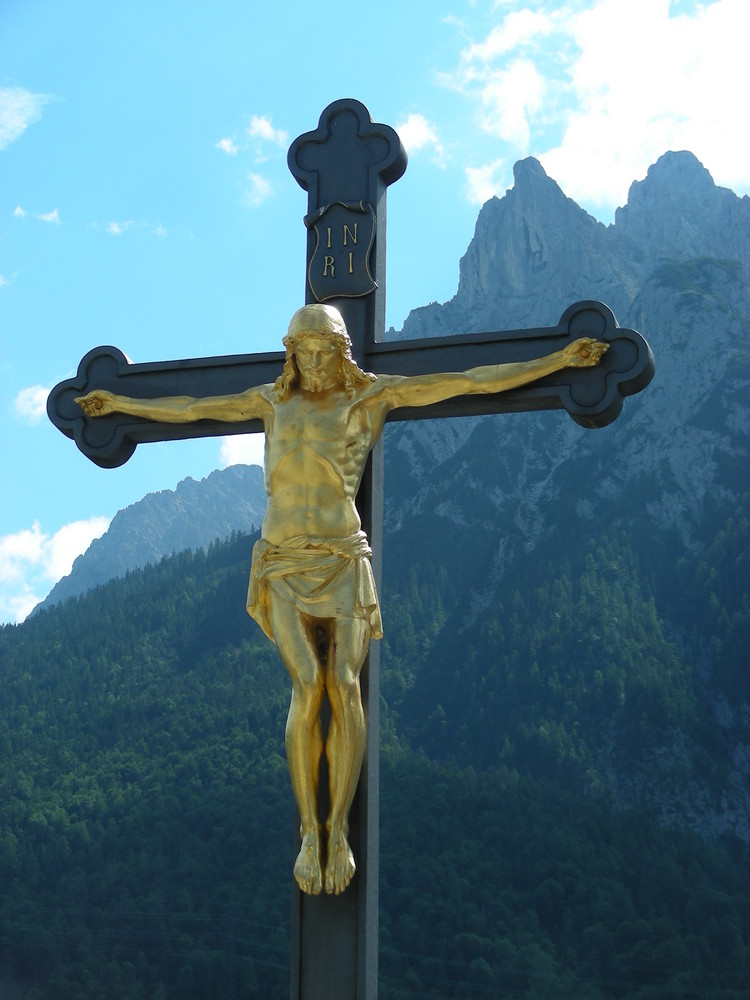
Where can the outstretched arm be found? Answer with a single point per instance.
(253, 403)
(422, 390)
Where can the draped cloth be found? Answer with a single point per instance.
(321, 577)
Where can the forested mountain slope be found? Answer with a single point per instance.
(147, 830)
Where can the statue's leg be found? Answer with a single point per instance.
(296, 643)
(345, 744)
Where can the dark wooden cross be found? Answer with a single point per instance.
(346, 165)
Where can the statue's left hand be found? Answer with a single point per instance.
(584, 353)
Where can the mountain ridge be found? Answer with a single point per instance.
(192, 516)
(533, 252)
(670, 473)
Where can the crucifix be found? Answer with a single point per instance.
(316, 568)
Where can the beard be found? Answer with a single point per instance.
(313, 383)
(317, 383)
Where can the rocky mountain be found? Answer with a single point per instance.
(666, 271)
(535, 250)
(523, 496)
(189, 517)
(677, 213)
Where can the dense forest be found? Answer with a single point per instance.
(147, 828)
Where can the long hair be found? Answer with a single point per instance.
(319, 321)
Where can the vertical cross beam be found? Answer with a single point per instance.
(345, 165)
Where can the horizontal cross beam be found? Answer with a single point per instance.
(110, 441)
(592, 396)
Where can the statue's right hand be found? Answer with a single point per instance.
(97, 403)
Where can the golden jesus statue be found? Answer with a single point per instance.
(311, 584)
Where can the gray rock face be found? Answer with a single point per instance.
(534, 252)
(673, 266)
(678, 213)
(189, 517)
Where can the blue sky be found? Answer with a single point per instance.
(145, 199)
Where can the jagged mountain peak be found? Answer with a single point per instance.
(533, 192)
(678, 212)
(528, 168)
(677, 174)
(534, 252)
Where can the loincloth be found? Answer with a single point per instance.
(321, 577)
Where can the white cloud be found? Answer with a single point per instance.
(686, 92)
(118, 228)
(115, 228)
(53, 217)
(3, 281)
(31, 404)
(599, 89)
(31, 561)
(19, 108)
(227, 146)
(510, 98)
(484, 182)
(69, 542)
(417, 133)
(521, 27)
(506, 74)
(242, 449)
(16, 607)
(261, 127)
(259, 190)
(19, 550)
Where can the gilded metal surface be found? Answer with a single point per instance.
(311, 587)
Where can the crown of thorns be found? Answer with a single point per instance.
(319, 320)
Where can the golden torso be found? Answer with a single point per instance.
(316, 448)
(318, 437)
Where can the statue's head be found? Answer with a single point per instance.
(319, 321)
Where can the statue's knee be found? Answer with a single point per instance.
(345, 685)
(307, 693)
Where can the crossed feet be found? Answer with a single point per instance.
(339, 868)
